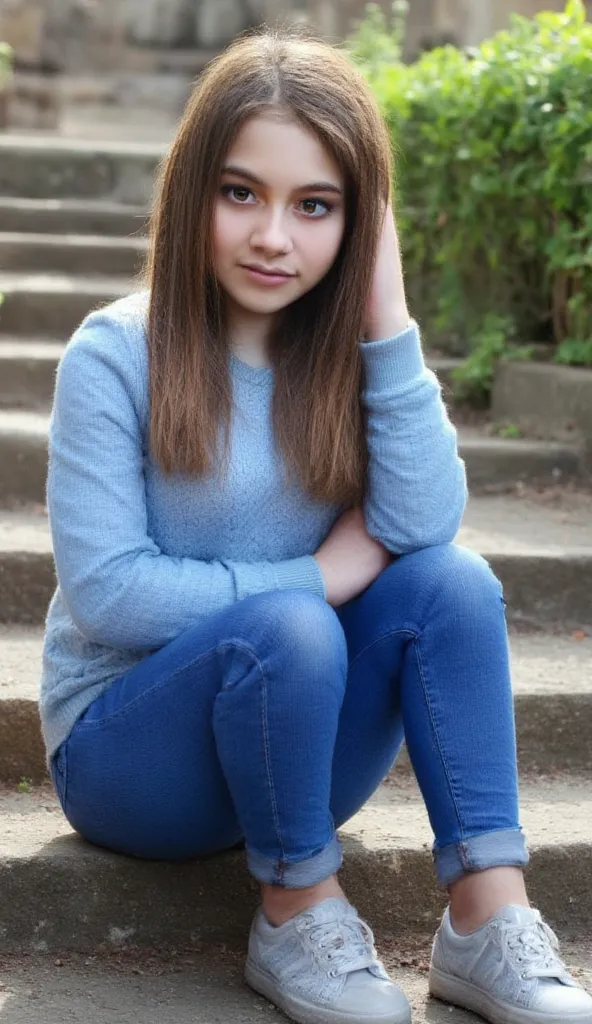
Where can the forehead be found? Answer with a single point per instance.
(281, 151)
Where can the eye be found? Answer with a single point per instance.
(227, 189)
(325, 207)
(314, 209)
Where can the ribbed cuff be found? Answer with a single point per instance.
(393, 362)
(301, 574)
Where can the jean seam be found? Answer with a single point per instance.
(143, 696)
(451, 788)
(415, 636)
(168, 679)
(393, 632)
(61, 759)
(265, 729)
(266, 747)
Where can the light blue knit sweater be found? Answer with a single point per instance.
(141, 557)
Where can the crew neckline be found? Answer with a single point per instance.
(260, 375)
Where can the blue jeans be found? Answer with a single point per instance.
(274, 720)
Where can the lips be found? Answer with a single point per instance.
(265, 270)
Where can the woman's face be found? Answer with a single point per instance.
(281, 205)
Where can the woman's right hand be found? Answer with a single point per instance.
(350, 559)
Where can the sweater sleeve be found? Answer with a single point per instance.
(417, 489)
(119, 587)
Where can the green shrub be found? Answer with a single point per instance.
(494, 182)
(376, 42)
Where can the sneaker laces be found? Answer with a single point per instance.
(347, 945)
(536, 947)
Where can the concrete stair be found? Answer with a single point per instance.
(27, 373)
(552, 684)
(53, 305)
(545, 563)
(490, 462)
(72, 223)
(35, 167)
(27, 378)
(81, 260)
(23, 386)
(71, 217)
(48, 873)
(27, 252)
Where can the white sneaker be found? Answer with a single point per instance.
(321, 967)
(509, 971)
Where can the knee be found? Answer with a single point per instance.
(303, 625)
(456, 576)
(470, 577)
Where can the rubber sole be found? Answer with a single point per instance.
(306, 1013)
(462, 993)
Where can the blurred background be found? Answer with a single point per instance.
(488, 103)
(75, 57)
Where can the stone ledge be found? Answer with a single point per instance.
(544, 560)
(72, 217)
(552, 685)
(27, 252)
(545, 400)
(46, 167)
(492, 464)
(60, 892)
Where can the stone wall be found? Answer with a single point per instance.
(80, 36)
(68, 29)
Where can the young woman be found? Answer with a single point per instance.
(253, 491)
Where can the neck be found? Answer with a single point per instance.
(248, 336)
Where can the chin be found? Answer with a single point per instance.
(263, 307)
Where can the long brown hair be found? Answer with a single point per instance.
(314, 350)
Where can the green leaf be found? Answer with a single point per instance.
(493, 180)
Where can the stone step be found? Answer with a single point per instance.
(443, 367)
(71, 217)
(544, 399)
(491, 463)
(28, 365)
(206, 985)
(40, 167)
(58, 891)
(53, 305)
(553, 699)
(22, 252)
(27, 373)
(494, 463)
(541, 552)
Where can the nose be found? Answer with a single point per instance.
(271, 231)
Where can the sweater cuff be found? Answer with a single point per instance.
(393, 362)
(301, 574)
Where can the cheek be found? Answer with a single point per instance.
(225, 234)
(324, 248)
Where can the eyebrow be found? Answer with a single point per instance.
(315, 186)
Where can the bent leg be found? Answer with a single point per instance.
(428, 647)
(227, 731)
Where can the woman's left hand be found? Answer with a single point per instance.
(386, 312)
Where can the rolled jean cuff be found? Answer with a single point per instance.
(505, 848)
(300, 875)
